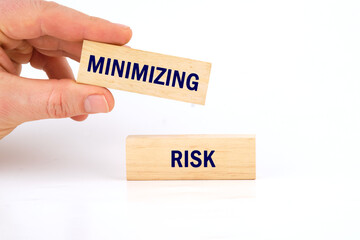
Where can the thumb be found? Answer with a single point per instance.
(32, 99)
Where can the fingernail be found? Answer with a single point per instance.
(96, 104)
(122, 25)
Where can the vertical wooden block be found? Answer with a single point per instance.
(190, 157)
(144, 72)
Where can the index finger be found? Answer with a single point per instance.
(33, 19)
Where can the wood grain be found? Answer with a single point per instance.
(149, 157)
(170, 88)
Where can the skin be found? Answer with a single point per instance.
(44, 34)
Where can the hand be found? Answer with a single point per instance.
(44, 34)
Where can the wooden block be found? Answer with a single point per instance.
(144, 72)
(194, 157)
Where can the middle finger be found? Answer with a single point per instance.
(48, 44)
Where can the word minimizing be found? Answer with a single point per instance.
(151, 74)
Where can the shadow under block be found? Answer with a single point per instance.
(144, 72)
(191, 157)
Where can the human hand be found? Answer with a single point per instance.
(44, 34)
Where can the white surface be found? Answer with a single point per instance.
(287, 71)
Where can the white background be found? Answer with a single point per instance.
(287, 71)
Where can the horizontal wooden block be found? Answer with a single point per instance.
(194, 157)
(143, 72)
